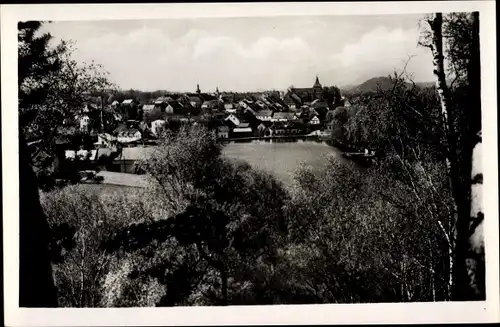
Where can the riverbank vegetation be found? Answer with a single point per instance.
(210, 230)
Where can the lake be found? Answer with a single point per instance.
(282, 158)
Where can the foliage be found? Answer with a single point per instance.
(454, 42)
(80, 220)
(332, 95)
(401, 119)
(52, 88)
(358, 237)
(218, 217)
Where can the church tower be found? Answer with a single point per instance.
(317, 84)
(198, 88)
(217, 93)
(317, 88)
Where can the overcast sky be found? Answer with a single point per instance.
(247, 54)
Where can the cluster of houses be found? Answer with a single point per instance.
(294, 112)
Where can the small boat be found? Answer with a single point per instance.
(365, 158)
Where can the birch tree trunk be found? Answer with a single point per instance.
(462, 129)
(436, 46)
(475, 260)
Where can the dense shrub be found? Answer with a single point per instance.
(80, 220)
(215, 231)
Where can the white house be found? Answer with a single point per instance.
(315, 120)
(105, 140)
(148, 107)
(233, 119)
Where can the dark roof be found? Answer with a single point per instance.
(250, 110)
(289, 100)
(105, 152)
(286, 125)
(266, 123)
(206, 96)
(219, 115)
(195, 98)
(223, 128)
(319, 104)
(175, 104)
(302, 90)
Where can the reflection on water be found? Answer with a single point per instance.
(282, 157)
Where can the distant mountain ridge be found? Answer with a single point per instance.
(374, 83)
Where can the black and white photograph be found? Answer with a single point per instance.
(253, 160)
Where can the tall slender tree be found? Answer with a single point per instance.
(455, 38)
(35, 63)
(51, 87)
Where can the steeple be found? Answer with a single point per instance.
(317, 84)
(198, 88)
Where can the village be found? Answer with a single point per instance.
(123, 133)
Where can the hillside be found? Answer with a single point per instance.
(374, 83)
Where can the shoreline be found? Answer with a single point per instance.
(263, 138)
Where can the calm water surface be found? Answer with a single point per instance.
(282, 158)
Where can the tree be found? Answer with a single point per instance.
(402, 123)
(332, 96)
(80, 220)
(397, 118)
(461, 121)
(36, 62)
(367, 235)
(36, 284)
(218, 217)
(52, 88)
